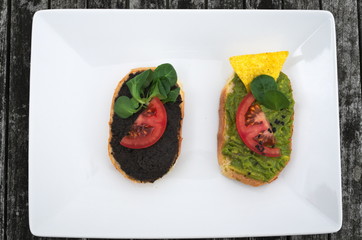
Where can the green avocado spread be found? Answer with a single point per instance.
(242, 159)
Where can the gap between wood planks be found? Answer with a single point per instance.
(7, 91)
(359, 38)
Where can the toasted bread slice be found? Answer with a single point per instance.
(115, 95)
(222, 136)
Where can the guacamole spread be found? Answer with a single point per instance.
(245, 161)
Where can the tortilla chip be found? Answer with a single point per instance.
(247, 67)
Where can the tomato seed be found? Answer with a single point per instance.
(259, 147)
(138, 130)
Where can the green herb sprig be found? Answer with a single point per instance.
(145, 86)
(264, 89)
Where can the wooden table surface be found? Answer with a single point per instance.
(15, 42)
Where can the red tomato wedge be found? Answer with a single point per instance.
(148, 127)
(254, 129)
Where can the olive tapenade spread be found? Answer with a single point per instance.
(151, 163)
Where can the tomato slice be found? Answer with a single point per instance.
(148, 127)
(254, 129)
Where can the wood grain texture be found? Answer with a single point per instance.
(17, 171)
(187, 4)
(3, 111)
(225, 4)
(301, 4)
(346, 16)
(310, 237)
(263, 4)
(61, 4)
(148, 4)
(269, 238)
(118, 4)
(359, 10)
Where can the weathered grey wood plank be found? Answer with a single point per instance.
(187, 4)
(108, 4)
(310, 237)
(346, 16)
(59, 4)
(269, 238)
(3, 110)
(225, 4)
(148, 4)
(263, 4)
(359, 10)
(17, 177)
(301, 4)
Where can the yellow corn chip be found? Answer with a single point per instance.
(247, 67)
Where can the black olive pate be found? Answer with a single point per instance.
(151, 163)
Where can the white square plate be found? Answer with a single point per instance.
(78, 57)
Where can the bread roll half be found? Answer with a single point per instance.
(222, 136)
(112, 156)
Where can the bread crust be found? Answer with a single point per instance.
(118, 88)
(223, 161)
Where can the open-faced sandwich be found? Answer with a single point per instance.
(256, 119)
(145, 123)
